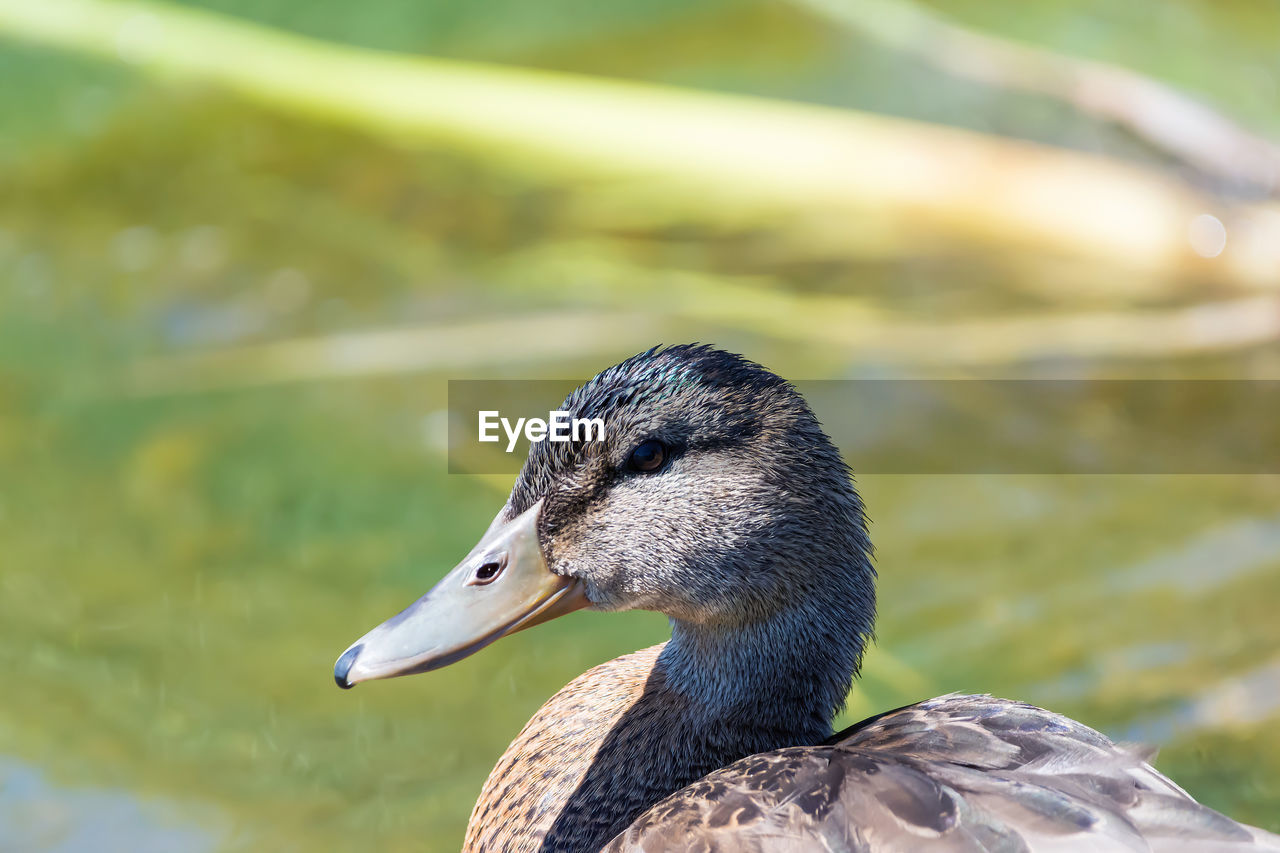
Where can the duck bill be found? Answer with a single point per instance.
(503, 586)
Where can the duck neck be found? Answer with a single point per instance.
(775, 682)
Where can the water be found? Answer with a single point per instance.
(183, 559)
(40, 816)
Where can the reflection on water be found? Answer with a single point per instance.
(1084, 680)
(1241, 700)
(1209, 560)
(38, 816)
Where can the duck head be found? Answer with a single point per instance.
(714, 497)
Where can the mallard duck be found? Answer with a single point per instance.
(716, 499)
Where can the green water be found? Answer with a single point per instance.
(181, 561)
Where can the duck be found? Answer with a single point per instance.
(715, 497)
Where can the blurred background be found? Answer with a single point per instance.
(244, 246)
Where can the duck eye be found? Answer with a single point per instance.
(648, 457)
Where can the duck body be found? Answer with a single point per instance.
(955, 773)
(602, 750)
(619, 768)
(716, 499)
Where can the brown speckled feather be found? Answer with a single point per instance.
(610, 744)
(956, 773)
(553, 754)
